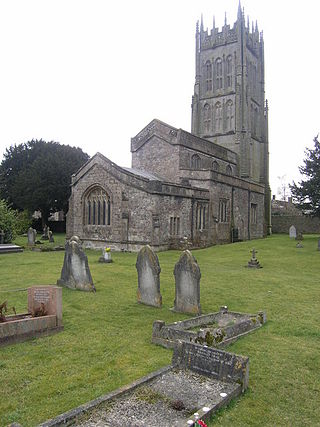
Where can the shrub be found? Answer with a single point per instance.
(8, 221)
(23, 222)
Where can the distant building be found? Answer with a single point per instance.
(205, 187)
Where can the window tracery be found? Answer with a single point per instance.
(97, 207)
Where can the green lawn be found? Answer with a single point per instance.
(106, 341)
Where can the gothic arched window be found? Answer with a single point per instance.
(208, 76)
(218, 73)
(207, 117)
(229, 115)
(215, 166)
(195, 162)
(229, 170)
(218, 117)
(97, 207)
(229, 71)
(254, 78)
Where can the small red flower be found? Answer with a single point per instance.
(201, 423)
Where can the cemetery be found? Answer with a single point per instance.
(105, 354)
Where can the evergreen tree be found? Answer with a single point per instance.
(37, 175)
(306, 194)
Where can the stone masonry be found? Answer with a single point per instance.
(204, 187)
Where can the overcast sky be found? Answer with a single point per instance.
(93, 73)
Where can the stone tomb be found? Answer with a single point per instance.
(75, 273)
(187, 277)
(148, 269)
(44, 316)
(214, 329)
(199, 381)
(9, 248)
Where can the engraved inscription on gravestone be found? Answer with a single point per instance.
(41, 295)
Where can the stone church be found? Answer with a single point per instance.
(206, 187)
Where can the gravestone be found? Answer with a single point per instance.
(50, 234)
(75, 272)
(299, 236)
(32, 234)
(148, 269)
(187, 277)
(254, 263)
(45, 232)
(45, 300)
(212, 362)
(292, 232)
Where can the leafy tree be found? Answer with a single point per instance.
(8, 221)
(306, 194)
(37, 175)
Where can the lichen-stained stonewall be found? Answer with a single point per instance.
(148, 269)
(187, 277)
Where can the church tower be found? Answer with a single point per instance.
(228, 105)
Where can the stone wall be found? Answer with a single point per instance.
(141, 209)
(303, 224)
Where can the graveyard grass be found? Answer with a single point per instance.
(106, 342)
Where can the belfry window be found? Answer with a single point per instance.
(218, 117)
(229, 71)
(218, 73)
(208, 76)
(97, 207)
(229, 115)
(207, 117)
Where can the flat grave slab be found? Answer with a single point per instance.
(8, 248)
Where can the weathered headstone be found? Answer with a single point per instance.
(299, 245)
(50, 234)
(292, 232)
(32, 234)
(75, 272)
(148, 277)
(299, 236)
(187, 277)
